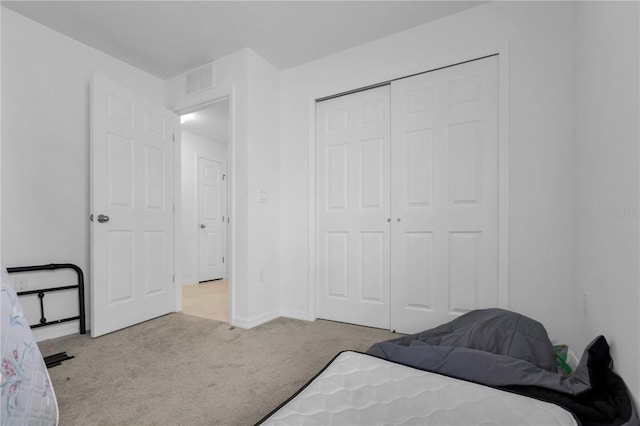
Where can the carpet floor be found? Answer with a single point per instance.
(184, 370)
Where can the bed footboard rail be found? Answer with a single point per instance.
(43, 291)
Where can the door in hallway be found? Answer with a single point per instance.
(211, 219)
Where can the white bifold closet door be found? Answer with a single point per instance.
(444, 241)
(353, 208)
(407, 200)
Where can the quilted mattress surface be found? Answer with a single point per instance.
(359, 389)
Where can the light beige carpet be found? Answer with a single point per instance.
(185, 370)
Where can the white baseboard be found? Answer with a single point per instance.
(299, 315)
(255, 321)
(55, 331)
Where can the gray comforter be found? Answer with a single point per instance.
(504, 349)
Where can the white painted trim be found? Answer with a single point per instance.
(313, 288)
(225, 208)
(504, 76)
(636, 395)
(55, 331)
(177, 215)
(294, 314)
(89, 274)
(255, 321)
(231, 208)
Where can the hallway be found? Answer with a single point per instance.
(209, 299)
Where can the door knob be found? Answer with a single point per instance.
(103, 218)
(202, 225)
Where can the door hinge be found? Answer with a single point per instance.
(224, 176)
(174, 137)
(173, 278)
(222, 259)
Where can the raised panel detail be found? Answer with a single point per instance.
(338, 264)
(210, 172)
(464, 251)
(337, 176)
(465, 168)
(372, 113)
(154, 187)
(119, 171)
(464, 90)
(154, 125)
(372, 173)
(372, 266)
(420, 100)
(120, 266)
(212, 249)
(337, 120)
(119, 110)
(154, 249)
(420, 167)
(211, 209)
(419, 283)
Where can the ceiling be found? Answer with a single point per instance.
(211, 122)
(167, 38)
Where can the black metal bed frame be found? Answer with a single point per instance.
(41, 293)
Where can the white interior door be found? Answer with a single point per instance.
(211, 219)
(132, 207)
(353, 208)
(444, 241)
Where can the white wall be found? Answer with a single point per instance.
(264, 175)
(607, 181)
(252, 84)
(538, 37)
(45, 142)
(192, 147)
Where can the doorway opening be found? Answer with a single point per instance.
(204, 202)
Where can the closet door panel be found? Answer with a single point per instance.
(353, 205)
(445, 184)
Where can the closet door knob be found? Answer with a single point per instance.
(102, 218)
(202, 225)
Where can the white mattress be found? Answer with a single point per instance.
(359, 389)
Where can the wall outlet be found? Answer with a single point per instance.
(21, 284)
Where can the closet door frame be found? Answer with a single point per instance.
(502, 51)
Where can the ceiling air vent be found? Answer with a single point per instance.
(200, 79)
